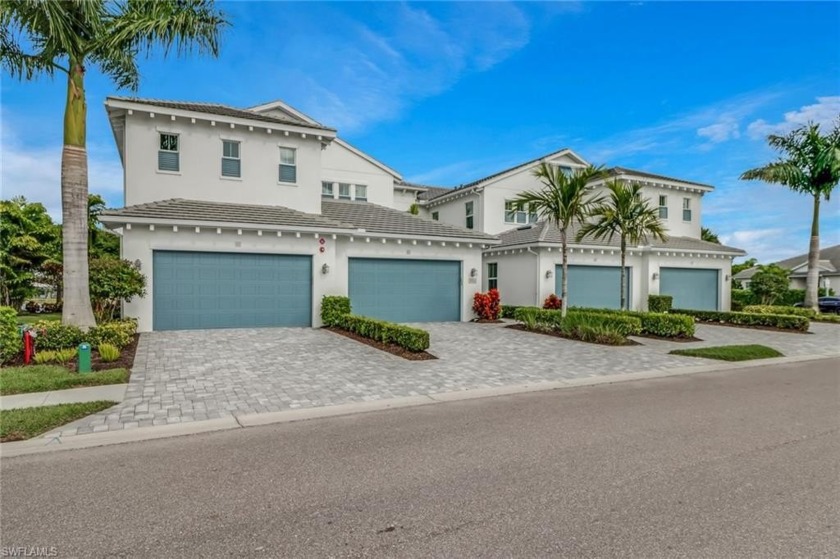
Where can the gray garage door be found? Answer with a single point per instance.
(405, 290)
(691, 288)
(597, 287)
(226, 290)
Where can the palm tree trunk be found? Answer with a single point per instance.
(623, 279)
(74, 203)
(564, 284)
(812, 281)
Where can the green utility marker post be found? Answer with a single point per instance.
(84, 358)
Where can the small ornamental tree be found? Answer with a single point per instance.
(553, 302)
(111, 282)
(769, 283)
(487, 306)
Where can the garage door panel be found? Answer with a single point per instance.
(227, 290)
(691, 288)
(596, 287)
(405, 290)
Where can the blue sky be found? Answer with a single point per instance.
(447, 93)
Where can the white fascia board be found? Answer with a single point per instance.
(286, 107)
(326, 134)
(368, 158)
(646, 248)
(673, 184)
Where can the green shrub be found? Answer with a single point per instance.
(660, 303)
(508, 311)
(333, 307)
(793, 296)
(64, 356)
(830, 318)
(11, 342)
(108, 352)
(44, 357)
(52, 334)
(412, 339)
(772, 309)
(669, 325)
(113, 281)
(527, 316)
(780, 321)
(116, 332)
(584, 325)
(743, 297)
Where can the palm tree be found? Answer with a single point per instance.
(563, 201)
(40, 37)
(810, 164)
(627, 214)
(709, 236)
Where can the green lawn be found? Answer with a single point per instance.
(731, 352)
(25, 423)
(26, 318)
(41, 378)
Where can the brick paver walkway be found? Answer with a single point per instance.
(198, 375)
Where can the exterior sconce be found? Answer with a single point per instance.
(325, 269)
(655, 276)
(473, 273)
(549, 274)
(138, 264)
(727, 277)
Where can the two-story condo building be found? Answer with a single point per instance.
(247, 217)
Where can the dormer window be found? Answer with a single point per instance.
(231, 163)
(663, 207)
(288, 165)
(168, 153)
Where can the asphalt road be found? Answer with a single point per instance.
(727, 464)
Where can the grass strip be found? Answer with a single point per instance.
(42, 378)
(731, 352)
(25, 423)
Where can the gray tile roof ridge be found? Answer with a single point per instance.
(620, 170)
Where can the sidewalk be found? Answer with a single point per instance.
(112, 392)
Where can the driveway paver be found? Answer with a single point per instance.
(208, 374)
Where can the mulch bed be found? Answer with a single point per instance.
(667, 339)
(390, 348)
(748, 327)
(487, 321)
(126, 360)
(628, 342)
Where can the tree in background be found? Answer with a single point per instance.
(624, 213)
(809, 164)
(738, 268)
(101, 242)
(564, 201)
(709, 236)
(770, 283)
(68, 37)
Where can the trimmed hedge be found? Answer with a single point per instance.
(412, 339)
(53, 335)
(333, 307)
(533, 317)
(770, 309)
(508, 311)
(670, 325)
(11, 342)
(117, 333)
(780, 321)
(660, 303)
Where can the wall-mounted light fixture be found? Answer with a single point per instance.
(655, 276)
(325, 269)
(549, 274)
(138, 264)
(727, 277)
(473, 273)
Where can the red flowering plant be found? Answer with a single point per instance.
(553, 302)
(487, 306)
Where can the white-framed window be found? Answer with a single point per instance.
(288, 165)
(492, 275)
(360, 192)
(663, 207)
(469, 208)
(344, 191)
(686, 209)
(515, 214)
(566, 170)
(231, 161)
(169, 156)
(435, 216)
(327, 189)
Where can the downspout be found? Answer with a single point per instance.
(537, 292)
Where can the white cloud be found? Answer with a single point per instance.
(824, 112)
(727, 128)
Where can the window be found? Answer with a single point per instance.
(515, 214)
(231, 163)
(327, 189)
(686, 209)
(288, 165)
(663, 207)
(566, 170)
(469, 207)
(168, 156)
(492, 275)
(361, 192)
(344, 190)
(436, 216)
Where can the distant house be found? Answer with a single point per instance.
(829, 267)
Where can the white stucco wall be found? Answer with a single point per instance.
(200, 177)
(455, 212)
(517, 277)
(403, 199)
(139, 242)
(340, 164)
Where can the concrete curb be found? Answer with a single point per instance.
(50, 443)
(113, 392)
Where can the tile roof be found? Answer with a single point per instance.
(379, 219)
(433, 192)
(829, 264)
(615, 171)
(223, 110)
(544, 232)
(179, 209)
